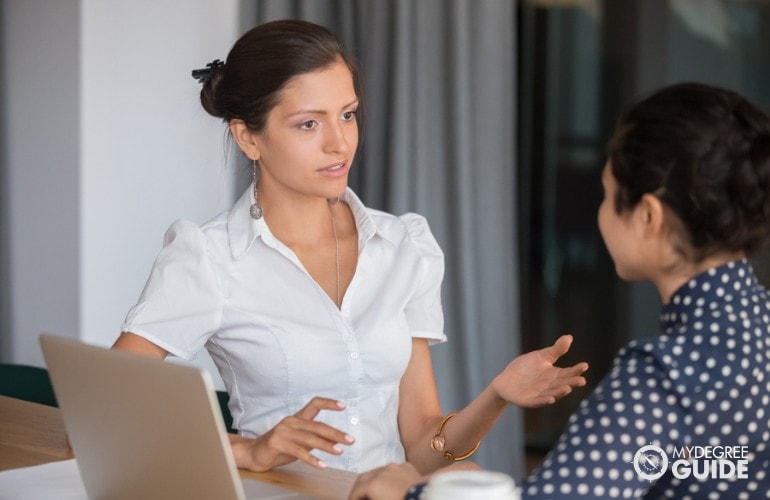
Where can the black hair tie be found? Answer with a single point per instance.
(203, 75)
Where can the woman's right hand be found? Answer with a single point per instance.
(293, 438)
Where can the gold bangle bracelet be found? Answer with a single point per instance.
(438, 442)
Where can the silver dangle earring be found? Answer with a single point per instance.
(255, 210)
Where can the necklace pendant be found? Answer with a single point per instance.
(255, 211)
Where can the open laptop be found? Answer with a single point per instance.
(144, 428)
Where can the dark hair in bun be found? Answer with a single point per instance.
(262, 62)
(705, 153)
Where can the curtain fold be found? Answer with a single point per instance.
(439, 139)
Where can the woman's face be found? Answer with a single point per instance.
(311, 136)
(618, 230)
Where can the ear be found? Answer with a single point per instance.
(652, 214)
(246, 139)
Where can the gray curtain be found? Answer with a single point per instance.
(439, 130)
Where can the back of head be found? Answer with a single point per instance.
(704, 152)
(266, 58)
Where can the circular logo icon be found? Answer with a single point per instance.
(650, 462)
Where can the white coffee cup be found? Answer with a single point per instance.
(471, 485)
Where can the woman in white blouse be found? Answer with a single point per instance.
(317, 311)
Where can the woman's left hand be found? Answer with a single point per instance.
(531, 380)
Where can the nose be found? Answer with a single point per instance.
(340, 137)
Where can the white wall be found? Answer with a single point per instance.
(40, 158)
(101, 169)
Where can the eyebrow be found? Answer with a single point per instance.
(318, 111)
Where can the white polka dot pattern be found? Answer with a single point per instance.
(703, 382)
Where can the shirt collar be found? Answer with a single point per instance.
(242, 230)
(367, 227)
(709, 287)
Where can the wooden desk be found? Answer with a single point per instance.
(30, 434)
(33, 434)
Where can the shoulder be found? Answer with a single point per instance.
(647, 358)
(689, 360)
(656, 350)
(410, 228)
(187, 235)
(182, 231)
(419, 233)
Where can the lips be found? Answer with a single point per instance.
(335, 169)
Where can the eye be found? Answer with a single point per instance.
(349, 116)
(308, 125)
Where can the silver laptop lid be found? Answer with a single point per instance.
(139, 427)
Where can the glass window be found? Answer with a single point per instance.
(581, 62)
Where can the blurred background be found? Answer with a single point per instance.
(580, 62)
(489, 117)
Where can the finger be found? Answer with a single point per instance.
(317, 404)
(312, 434)
(552, 395)
(558, 349)
(360, 487)
(570, 372)
(303, 455)
(358, 492)
(541, 400)
(572, 377)
(560, 392)
(581, 367)
(569, 382)
(299, 444)
(389, 482)
(578, 368)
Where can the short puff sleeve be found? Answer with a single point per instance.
(424, 312)
(181, 304)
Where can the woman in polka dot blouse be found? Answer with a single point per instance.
(684, 414)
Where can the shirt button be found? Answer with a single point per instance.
(353, 404)
(348, 338)
(354, 420)
(353, 355)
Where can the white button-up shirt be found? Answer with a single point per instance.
(278, 340)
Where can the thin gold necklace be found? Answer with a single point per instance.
(332, 201)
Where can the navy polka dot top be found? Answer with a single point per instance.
(682, 415)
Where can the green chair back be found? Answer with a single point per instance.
(223, 398)
(30, 383)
